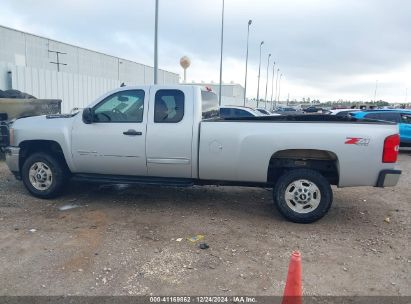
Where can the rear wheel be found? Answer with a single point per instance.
(302, 195)
(43, 175)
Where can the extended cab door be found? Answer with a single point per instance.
(114, 143)
(170, 132)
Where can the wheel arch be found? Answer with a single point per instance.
(51, 147)
(324, 161)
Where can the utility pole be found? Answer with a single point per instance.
(266, 83)
(221, 55)
(259, 75)
(57, 62)
(246, 61)
(156, 44)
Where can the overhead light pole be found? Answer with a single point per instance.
(279, 87)
(272, 87)
(266, 83)
(276, 87)
(259, 75)
(375, 92)
(156, 45)
(246, 60)
(221, 55)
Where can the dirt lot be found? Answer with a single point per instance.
(122, 240)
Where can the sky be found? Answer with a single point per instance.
(325, 49)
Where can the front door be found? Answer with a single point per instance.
(170, 132)
(115, 142)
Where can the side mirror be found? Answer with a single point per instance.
(88, 115)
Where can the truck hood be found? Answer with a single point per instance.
(45, 127)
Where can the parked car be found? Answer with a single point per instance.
(234, 111)
(312, 109)
(263, 111)
(287, 111)
(266, 112)
(400, 116)
(165, 135)
(343, 112)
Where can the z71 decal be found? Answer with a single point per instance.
(357, 141)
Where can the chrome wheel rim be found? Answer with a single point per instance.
(302, 196)
(40, 176)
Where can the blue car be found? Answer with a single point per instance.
(402, 117)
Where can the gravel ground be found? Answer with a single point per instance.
(121, 240)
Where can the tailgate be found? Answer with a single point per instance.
(4, 135)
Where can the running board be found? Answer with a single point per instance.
(139, 180)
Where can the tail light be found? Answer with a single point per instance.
(391, 148)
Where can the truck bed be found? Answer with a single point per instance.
(244, 150)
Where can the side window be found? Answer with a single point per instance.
(123, 106)
(373, 116)
(406, 118)
(394, 117)
(169, 106)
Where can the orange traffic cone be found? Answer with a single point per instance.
(293, 286)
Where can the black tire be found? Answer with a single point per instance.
(57, 168)
(314, 177)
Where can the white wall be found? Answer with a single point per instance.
(75, 90)
(87, 75)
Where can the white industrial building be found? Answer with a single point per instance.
(46, 68)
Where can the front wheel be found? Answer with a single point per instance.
(43, 175)
(303, 195)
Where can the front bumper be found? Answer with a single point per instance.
(12, 159)
(388, 178)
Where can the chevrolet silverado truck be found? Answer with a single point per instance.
(173, 135)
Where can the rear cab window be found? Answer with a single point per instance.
(169, 106)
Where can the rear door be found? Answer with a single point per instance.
(170, 132)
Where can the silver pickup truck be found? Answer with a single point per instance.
(173, 135)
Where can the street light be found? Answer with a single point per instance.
(221, 56)
(266, 83)
(156, 44)
(375, 92)
(276, 87)
(246, 61)
(279, 87)
(272, 87)
(259, 74)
